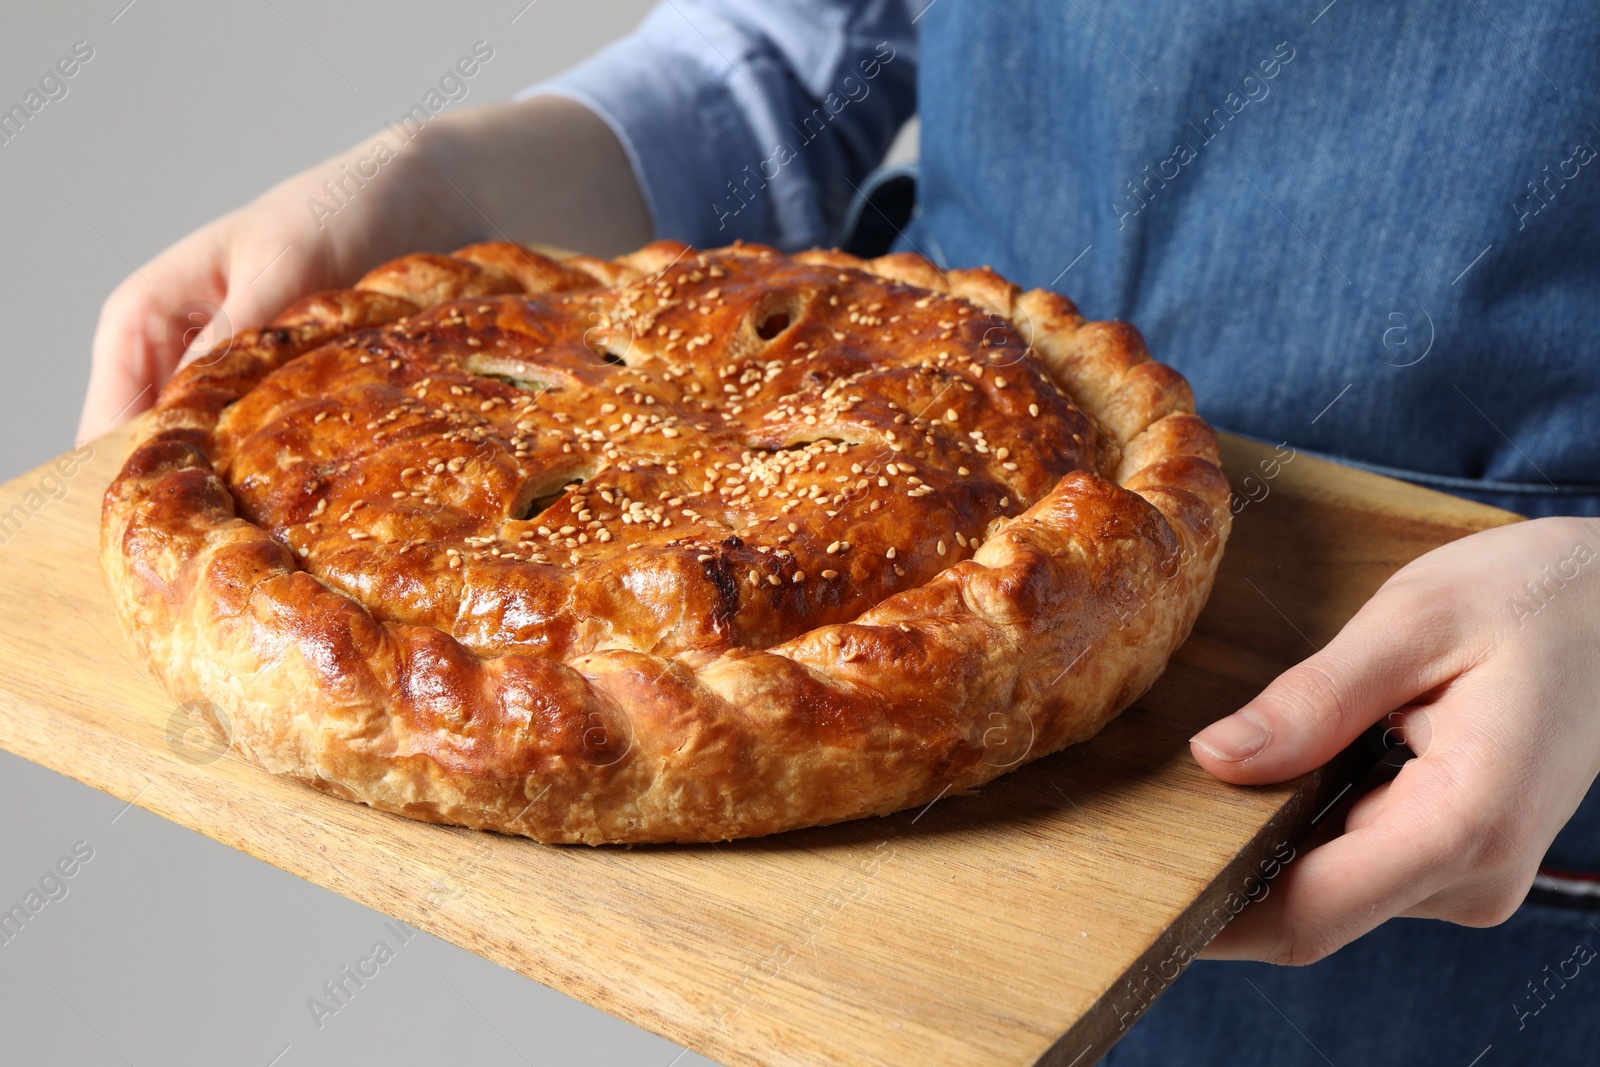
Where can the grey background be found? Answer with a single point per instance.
(171, 949)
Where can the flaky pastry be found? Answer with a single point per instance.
(683, 546)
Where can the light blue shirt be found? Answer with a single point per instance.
(753, 120)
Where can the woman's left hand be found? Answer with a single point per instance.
(1483, 656)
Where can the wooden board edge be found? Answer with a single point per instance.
(1247, 876)
(1339, 484)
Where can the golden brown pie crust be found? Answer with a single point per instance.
(683, 546)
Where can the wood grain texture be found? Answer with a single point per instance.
(1028, 923)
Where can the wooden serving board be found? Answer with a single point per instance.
(1029, 923)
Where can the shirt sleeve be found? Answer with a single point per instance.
(753, 120)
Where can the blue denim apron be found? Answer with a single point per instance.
(1372, 231)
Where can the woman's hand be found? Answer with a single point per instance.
(242, 269)
(543, 169)
(1483, 656)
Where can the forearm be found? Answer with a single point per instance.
(545, 169)
(749, 120)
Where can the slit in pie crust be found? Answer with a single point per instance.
(684, 546)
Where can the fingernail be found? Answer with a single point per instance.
(1238, 737)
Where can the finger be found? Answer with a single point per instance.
(1491, 795)
(117, 391)
(249, 299)
(1485, 899)
(208, 331)
(261, 284)
(187, 303)
(1414, 841)
(1367, 808)
(133, 348)
(1413, 725)
(1391, 652)
(131, 358)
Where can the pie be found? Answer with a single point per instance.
(682, 546)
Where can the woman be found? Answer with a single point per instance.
(1369, 231)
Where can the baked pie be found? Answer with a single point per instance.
(682, 546)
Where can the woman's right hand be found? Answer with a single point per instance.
(243, 268)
